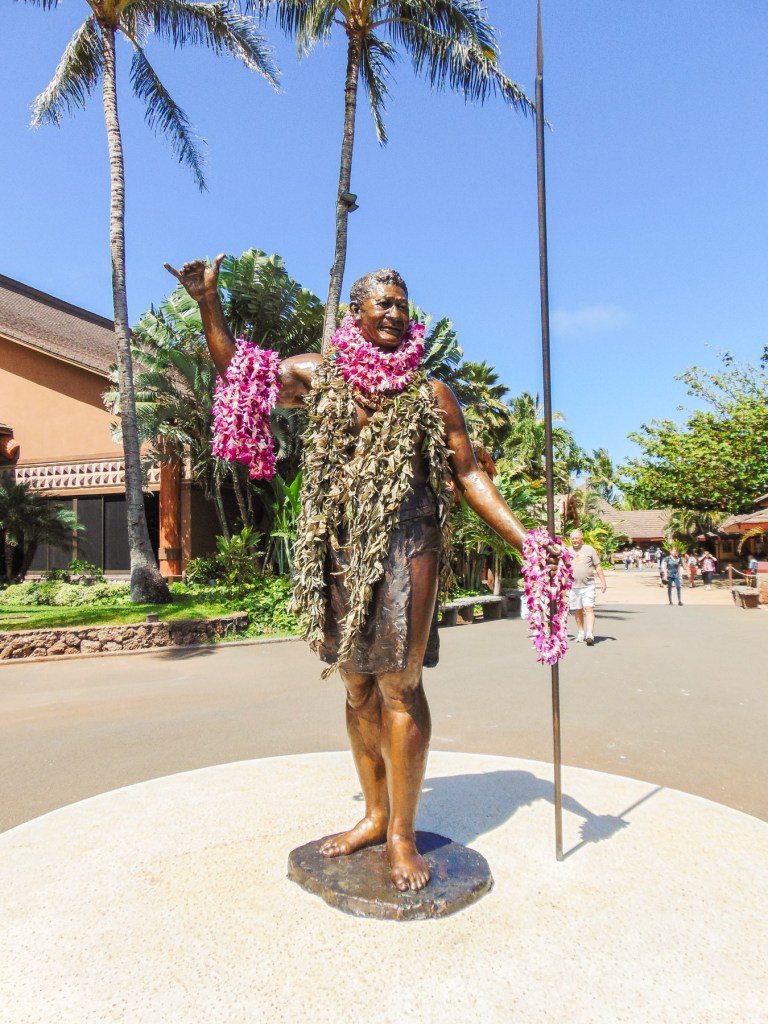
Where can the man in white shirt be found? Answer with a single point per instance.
(586, 565)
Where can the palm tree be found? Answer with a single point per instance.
(524, 445)
(685, 525)
(476, 385)
(450, 42)
(90, 57)
(480, 391)
(602, 476)
(27, 520)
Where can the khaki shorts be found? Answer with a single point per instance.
(583, 597)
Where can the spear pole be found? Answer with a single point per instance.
(550, 479)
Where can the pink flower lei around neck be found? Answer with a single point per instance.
(550, 632)
(241, 406)
(369, 369)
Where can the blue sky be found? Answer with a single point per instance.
(656, 179)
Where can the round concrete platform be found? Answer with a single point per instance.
(168, 901)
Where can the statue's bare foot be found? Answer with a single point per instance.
(367, 832)
(409, 869)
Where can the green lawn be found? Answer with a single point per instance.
(46, 616)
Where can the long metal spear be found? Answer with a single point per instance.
(544, 283)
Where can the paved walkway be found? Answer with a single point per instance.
(167, 902)
(165, 898)
(675, 696)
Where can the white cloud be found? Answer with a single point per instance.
(589, 319)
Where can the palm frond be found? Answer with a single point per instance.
(308, 20)
(164, 115)
(217, 26)
(442, 352)
(452, 43)
(73, 81)
(268, 306)
(376, 57)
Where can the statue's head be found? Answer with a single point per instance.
(379, 304)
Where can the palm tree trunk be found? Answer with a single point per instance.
(497, 566)
(147, 585)
(8, 553)
(354, 56)
(242, 504)
(29, 554)
(218, 502)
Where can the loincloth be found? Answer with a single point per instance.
(384, 642)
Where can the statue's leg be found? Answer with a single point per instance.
(364, 730)
(406, 730)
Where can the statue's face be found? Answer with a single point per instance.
(383, 316)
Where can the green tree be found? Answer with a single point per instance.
(27, 520)
(717, 460)
(524, 447)
(685, 525)
(476, 385)
(475, 542)
(602, 476)
(90, 57)
(488, 416)
(450, 42)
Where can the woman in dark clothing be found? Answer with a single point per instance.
(670, 567)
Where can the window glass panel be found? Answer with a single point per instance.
(117, 557)
(90, 544)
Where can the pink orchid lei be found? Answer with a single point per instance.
(369, 369)
(549, 632)
(241, 407)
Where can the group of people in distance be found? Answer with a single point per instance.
(671, 567)
(587, 570)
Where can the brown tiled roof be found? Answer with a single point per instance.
(641, 525)
(738, 524)
(48, 324)
(638, 525)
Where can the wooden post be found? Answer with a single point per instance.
(170, 519)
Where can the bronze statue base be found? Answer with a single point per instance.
(360, 884)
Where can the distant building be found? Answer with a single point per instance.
(55, 435)
(641, 527)
(733, 529)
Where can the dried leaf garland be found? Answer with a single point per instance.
(357, 484)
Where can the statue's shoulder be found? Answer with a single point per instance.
(297, 374)
(444, 395)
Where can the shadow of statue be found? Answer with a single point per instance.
(467, 806)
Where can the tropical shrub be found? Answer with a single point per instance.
(235, 565)
(265, 598)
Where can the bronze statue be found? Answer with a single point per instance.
(381, 659)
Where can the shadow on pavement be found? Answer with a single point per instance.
(614, 613)
(182, 653)
(485, 801)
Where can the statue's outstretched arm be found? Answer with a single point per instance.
(201, 282)
(472, 482)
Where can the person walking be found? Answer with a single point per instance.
(691, 564)
(708, 564)
(586, 565)
(670, 567)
